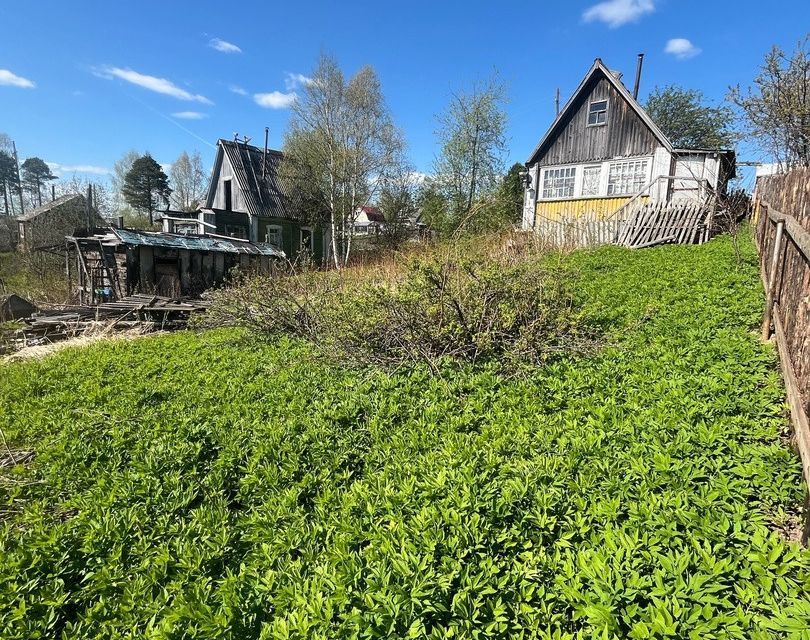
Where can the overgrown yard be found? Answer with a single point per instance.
(206, 485)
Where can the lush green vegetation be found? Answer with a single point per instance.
(206, 486)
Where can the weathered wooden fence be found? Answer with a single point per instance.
(636, 223)
(782, 211)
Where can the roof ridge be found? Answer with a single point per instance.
(599, 65)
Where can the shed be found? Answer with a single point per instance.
(46, 226)
(113, 263)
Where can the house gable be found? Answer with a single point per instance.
(627, 132)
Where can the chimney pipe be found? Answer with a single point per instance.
(264, 157)
(53, 192)
(120, 222)
(639, 64)
(557, 102)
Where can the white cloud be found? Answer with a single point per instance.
(235, 88)
(294, 80)
(152, 83)
(13, 80)
(275, 99)
(79, 168)
(616, 13)
(681, 48)
(223, 45)
(189, 115)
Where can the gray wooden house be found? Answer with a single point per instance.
(247, 199)
(603, 152)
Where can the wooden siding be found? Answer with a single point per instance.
(583, 222)
(585, 208)
(624, 135)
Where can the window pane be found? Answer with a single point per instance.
(559, 183)
(590, 181)
(597, 112)
(627, 178)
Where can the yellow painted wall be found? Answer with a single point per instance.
(588, 208)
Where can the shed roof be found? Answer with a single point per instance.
(53, 204)
(196, 242)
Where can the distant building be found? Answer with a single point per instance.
(603, 150)
(368, 221)
(47, 226)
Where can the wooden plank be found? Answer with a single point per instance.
(799, 419)
(771, 288)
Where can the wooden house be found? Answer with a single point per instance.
(368, 221)
(247, 199)
(603, 153)
(47, 226)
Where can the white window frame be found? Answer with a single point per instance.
(274, 227)
(576, 176)
(311, 239)
(637, 185)
(588, 122)
(599, 189)
(604, 176)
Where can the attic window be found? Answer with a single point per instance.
(597, 113)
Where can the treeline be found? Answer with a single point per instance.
(137, 188)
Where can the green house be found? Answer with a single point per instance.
(246, 199)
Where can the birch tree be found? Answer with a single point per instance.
(188, 182)
(340, 145)
(776, 109)
(473, 142)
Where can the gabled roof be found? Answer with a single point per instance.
(264, 191)
(53, 204)
(599, 67)
(373, 214)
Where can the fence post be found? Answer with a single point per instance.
(777, 250)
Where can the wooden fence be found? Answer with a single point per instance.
(637, 222)
(782, 212)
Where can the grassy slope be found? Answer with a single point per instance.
(198, 486)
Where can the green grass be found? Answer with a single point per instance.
(206, 486)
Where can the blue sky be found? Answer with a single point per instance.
(82, 82)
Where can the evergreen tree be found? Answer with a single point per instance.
(146, 185)
(510, 194)
(8, 180)
(35, 172)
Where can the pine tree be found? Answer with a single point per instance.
(146, 185)
(8, 179)
(35, 172)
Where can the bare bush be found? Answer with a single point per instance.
(474, 310)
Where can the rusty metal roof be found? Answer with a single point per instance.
(196, 243)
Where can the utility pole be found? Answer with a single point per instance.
(19, 182)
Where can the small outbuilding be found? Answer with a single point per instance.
(47, 226)
(113, 263)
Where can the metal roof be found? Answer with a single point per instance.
(196, 242)
(265, 193)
